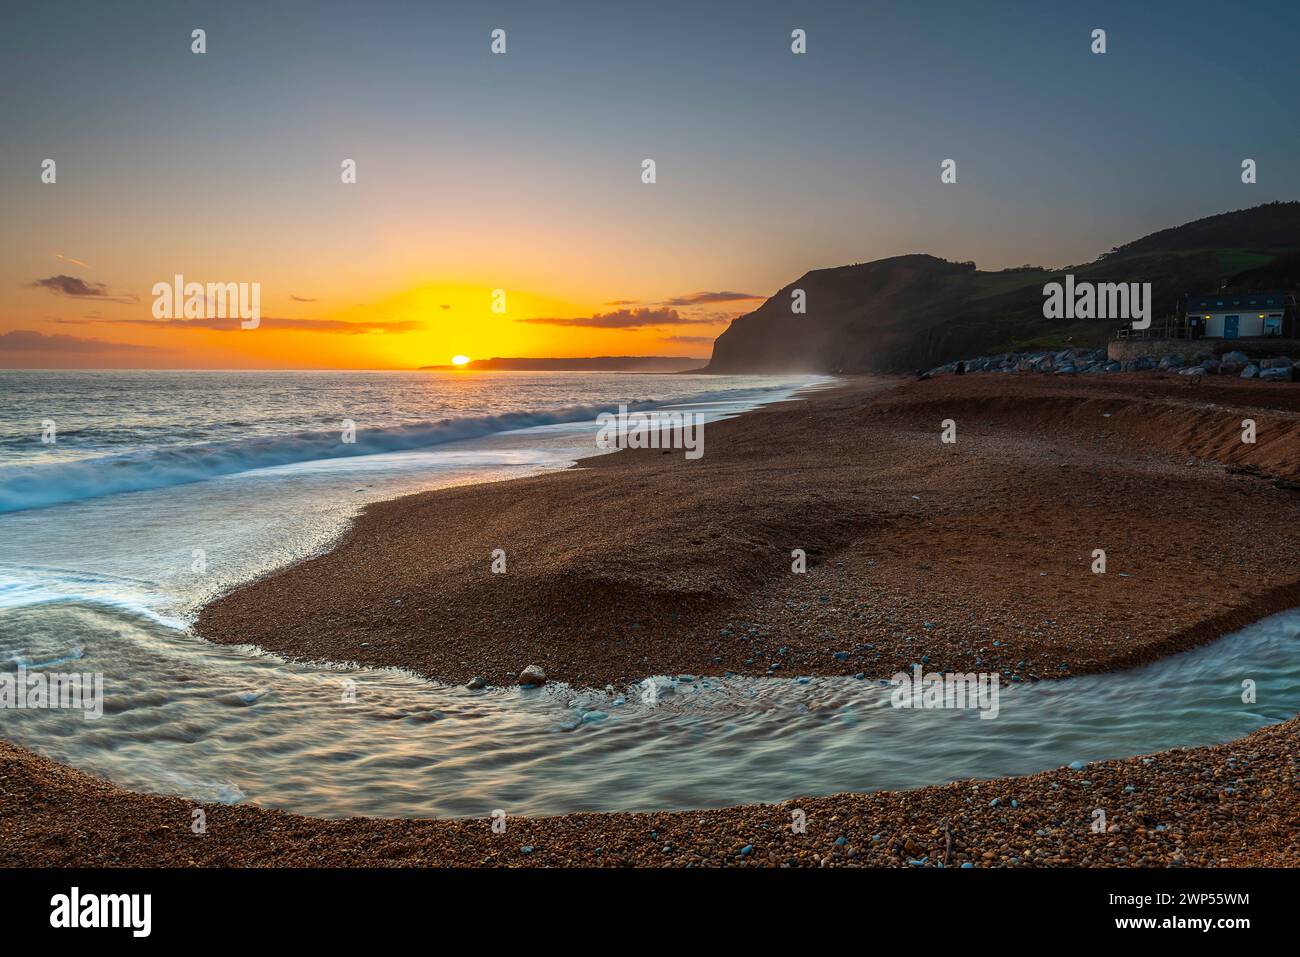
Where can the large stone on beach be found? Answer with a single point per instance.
(1277, 362)
(1237, 356)
(1276, 374)
(532, 676)
(1250, 371)
(1171, 360)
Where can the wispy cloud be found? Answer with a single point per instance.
(703, 298)
(622, 319)
(27, 340)
(687, 340)
(80, 289)
(300, 298)
(68, 259)
(334, 326)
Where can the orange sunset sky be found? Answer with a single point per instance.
(522, 171)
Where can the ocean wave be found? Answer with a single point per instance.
(23, 588)
(39, 486)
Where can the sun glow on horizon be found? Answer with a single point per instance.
(459, 360)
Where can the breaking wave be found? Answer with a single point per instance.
(38, 486)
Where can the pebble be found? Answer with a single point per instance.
(532, 676)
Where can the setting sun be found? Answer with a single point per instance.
(459, 360)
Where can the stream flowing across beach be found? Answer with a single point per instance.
(106, 554)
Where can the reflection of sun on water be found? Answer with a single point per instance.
(459, 360)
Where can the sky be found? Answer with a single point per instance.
(522, 171)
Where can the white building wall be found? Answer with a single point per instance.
(1248, 323)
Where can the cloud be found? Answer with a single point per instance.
(68, 259)
(72, 286)
(623, 319)
(27, 340)
(689, 340)
(694, 299)
(80, 289)
(334, 326)
(300, 298)
(700, 298)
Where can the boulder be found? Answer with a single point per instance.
(1142, 364)
(1276, 374)
(532, 676)
(1276, 362)
(1250, 372)
(1171, 360)
(1237, 356)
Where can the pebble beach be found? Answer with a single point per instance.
(966, 556)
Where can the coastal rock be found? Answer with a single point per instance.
(476, 683)
(1236, 356)
(1250, 372)
(1171, 360)
(532, 676)
(1276, 374)
(1276, 362)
